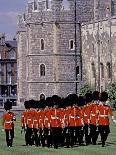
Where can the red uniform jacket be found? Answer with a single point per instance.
(29, 119)
(23, 119)
(47, 118)
(104, 111)
(67, 114)
(7, 120)
(36, 120)
(55, 118)
(41, 118)
(94, 114)
(86, 113)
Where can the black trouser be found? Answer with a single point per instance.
(87, 134)
(67, 136)
(104, 130)
(42, 137)
(72, 135)
(36, 137)
(29, 136)
(55, 134)
(9, 136)
(48, 136)
(79, 134)
(93, 133)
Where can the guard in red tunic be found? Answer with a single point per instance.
(29, 122)
(7, 123)
(104, 112)
(36, 124)
(79, 120)
(55, 121)
(86, 112)
(94, 117)
(47, 122)
(23, 121)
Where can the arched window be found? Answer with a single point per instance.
(71, 44)
(42, 70)
(109, 74)
(102, 70)
(42, 97)
(93, 69)
(42, 44)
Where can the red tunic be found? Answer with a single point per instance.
(104, 111)
(7, 120)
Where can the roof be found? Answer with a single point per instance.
(12, 43)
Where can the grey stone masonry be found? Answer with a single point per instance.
(58, 25)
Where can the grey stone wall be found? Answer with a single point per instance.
(56, 26)
(98, 46)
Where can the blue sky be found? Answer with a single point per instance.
(9, 9)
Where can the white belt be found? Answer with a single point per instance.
(54, 117)
(35, 120)
(93, 115)
(8, 121)
(103, 115)
(74, 117)
(29, 119)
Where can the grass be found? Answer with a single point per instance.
(19, 147)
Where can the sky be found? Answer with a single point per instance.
(9, 9)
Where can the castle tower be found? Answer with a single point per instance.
(52, 47)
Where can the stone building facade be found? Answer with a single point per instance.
(98, 46)
(49, 47)
(8, 71)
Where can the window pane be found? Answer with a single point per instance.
(93, 70)
(42, 44)
(102, 70)
(77, 70)
(42, 70)
(109, 70)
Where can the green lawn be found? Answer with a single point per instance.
(19, 147)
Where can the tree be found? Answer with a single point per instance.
(85, 89)
(111, 89)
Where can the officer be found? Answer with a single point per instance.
(104, 112)
(8, 124)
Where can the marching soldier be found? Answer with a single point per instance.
(86, 113)
(66, 122)
(7, 123)
(104, 112)
(36, 124)
(41, 122)
(73, 119)
(47, 122)
(94, 117)
(23, 121)
(80, 121)
(55, 121)
(29, 122)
